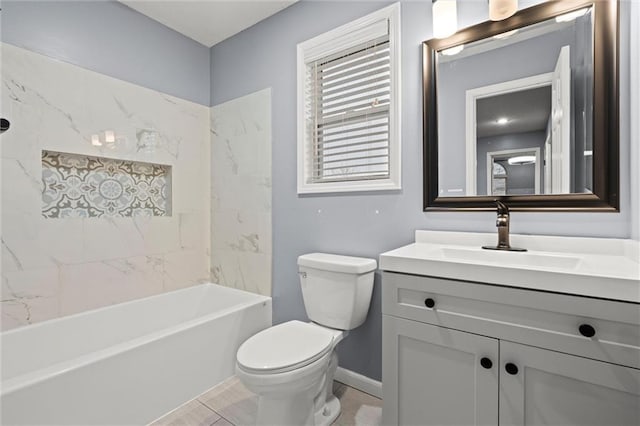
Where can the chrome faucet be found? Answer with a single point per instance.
(502, 223)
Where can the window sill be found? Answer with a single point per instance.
(336, 187)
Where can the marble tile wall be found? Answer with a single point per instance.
(56, 267)
(241, 193)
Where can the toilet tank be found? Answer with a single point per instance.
(336, 289)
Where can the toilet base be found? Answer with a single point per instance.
(329, 413)
(299, 397)
(285, 410)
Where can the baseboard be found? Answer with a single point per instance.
(358, 381)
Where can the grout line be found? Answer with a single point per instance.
(206, 406)
(223, 418)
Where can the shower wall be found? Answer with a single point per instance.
(241, 251)
(88, 257)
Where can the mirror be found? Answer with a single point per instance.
(525, 111)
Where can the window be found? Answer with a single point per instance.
(349, 108)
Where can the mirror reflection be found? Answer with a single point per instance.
(527, 101)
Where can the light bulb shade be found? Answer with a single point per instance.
(522, 160)
(445, 18)
(502, 9)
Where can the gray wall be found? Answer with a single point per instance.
(368, 224)
(112, 39)
(518, 175)
(520, 178)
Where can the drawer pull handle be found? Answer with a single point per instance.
(486, 363)
(429, 302)
(586, 330)
(511, 368)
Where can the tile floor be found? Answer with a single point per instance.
(231, 404)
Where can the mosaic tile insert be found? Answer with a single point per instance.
(82, 186)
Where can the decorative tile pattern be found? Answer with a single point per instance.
(83, 186)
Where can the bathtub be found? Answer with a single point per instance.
(126, 364)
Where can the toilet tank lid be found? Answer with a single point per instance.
(338, 263)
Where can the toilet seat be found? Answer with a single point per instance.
(285, 347)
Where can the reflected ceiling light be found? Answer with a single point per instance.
(502, 121)
(567, 17)
(445, 18)
(95, 140)
(502, 9)
(522, 160)
(588, 153)
(453, 50)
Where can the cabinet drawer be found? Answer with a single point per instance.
(546, 320)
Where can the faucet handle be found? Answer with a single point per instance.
(502, 208)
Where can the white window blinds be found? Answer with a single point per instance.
(348, 107)
(347, 113)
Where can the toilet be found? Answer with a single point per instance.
(291, 366)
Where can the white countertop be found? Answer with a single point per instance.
(594, 267)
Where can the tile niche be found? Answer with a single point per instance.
(85, 186)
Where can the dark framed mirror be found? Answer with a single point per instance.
(525, 111)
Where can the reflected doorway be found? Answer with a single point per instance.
(514, 172)
(527, 113)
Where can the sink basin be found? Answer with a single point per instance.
(604, 268)
(506, 258)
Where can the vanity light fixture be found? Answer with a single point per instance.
(502, 9)
(568, 17)
(445, 18)
(522, 160)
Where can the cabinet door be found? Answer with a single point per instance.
(433, 375)
(552, 388)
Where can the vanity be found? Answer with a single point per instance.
(550, 336)
(546, 336)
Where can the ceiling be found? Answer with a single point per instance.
(525, 111)
(208, 21)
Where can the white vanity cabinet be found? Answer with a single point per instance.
(463, 353)
(553, 388)
(432, 375)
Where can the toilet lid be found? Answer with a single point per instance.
(284, 347)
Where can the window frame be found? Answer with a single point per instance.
(332, 42)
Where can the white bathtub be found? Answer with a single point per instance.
(126, 364)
